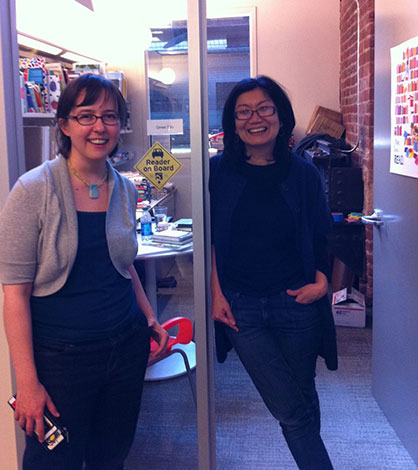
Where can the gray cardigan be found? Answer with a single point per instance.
(39, 230)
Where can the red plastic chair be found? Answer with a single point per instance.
(184, 336)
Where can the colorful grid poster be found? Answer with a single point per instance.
(404, 109)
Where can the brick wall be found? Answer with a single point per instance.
(357, 103)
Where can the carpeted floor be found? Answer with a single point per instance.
(355, 431)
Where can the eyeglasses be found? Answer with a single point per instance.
(263, 111)
(109, 119)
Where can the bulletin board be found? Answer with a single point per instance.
(404, 109)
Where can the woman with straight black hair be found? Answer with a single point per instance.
(269, 268)
(77, 320)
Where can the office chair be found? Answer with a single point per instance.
(184, 337)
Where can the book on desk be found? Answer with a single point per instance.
(174, 237)
(172, 246)
(186, 225)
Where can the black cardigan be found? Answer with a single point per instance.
(302, 189)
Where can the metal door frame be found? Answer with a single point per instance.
(198, 94)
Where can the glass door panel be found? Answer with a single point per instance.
(230, 59)
(167, 433)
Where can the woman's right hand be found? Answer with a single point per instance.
(221, 311)
(31, 398)
(31, 402)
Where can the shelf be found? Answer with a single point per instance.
(39, 115)
(38, 119)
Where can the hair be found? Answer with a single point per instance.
(93, 86)
(234, 147)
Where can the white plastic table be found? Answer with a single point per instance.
(150, 254)
(172, 366)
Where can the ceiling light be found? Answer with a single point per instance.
(77, 58)
(167, 76)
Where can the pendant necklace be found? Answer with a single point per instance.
(93, 188)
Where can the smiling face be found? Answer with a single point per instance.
(257, 133)
(96, 141)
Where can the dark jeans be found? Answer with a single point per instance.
(278, 342)
(96, 386)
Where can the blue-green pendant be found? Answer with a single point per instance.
(94, 191)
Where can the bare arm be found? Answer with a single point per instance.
(311, 292)
(145, 306)
(221, 310)
(31, 395)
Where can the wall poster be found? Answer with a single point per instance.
(404, 109)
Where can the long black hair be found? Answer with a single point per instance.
(93, 85)
(234, 147)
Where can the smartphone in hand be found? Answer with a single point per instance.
(54, 432)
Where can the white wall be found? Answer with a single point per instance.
(298, 44)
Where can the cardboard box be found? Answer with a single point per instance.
(349, 308)
(326, 121)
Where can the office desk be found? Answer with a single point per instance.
(150, 254)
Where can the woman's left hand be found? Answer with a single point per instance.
(311, 292)
(160, 335)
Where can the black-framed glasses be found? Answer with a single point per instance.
(262, 111)
(87, 119)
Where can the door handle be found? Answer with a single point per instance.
(375, 219)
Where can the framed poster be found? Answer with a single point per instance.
(404, 109)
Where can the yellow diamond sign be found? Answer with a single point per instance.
(158, 165)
